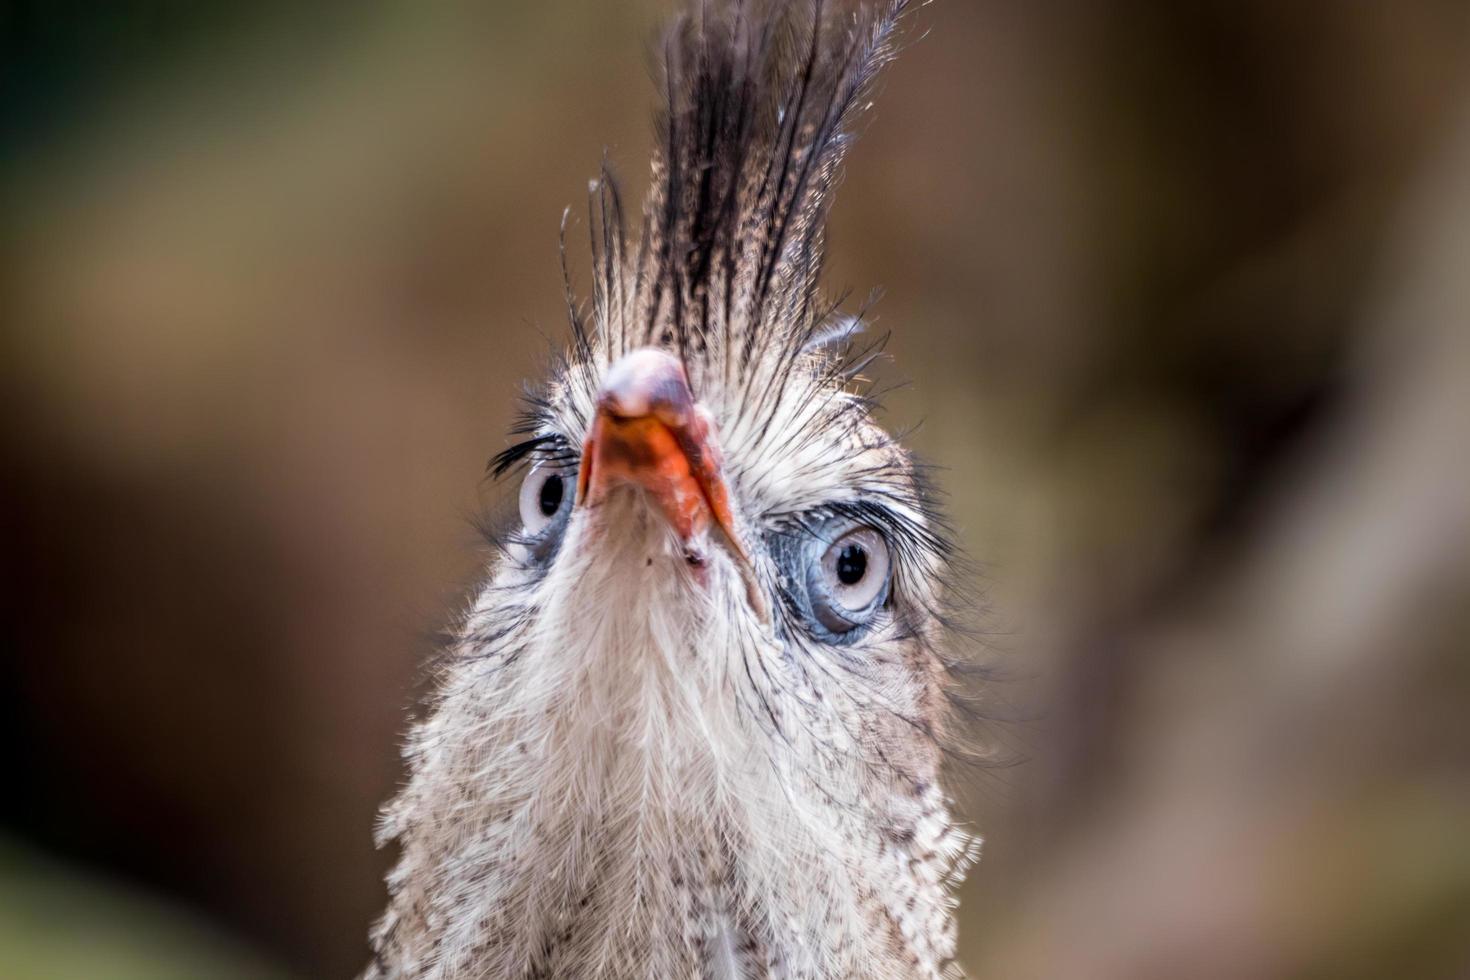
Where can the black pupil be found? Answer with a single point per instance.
(550, 497)
(852, 564)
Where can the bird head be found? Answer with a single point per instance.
(695, 715)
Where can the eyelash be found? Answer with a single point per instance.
(551, 448)
(908, 540)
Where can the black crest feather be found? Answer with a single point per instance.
(760, 98)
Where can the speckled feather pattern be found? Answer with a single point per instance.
(625, 773)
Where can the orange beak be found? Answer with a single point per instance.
(648, 432)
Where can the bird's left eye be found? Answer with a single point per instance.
(849, 584)
(545, 493)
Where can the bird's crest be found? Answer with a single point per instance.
(760, 98)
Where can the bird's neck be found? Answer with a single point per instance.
(610, 802)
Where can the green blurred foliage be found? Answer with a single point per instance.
(57, 923)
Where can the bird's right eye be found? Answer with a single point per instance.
(545, 493)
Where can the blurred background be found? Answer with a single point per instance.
(1183, 295)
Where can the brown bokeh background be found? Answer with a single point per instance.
(1183, 294)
